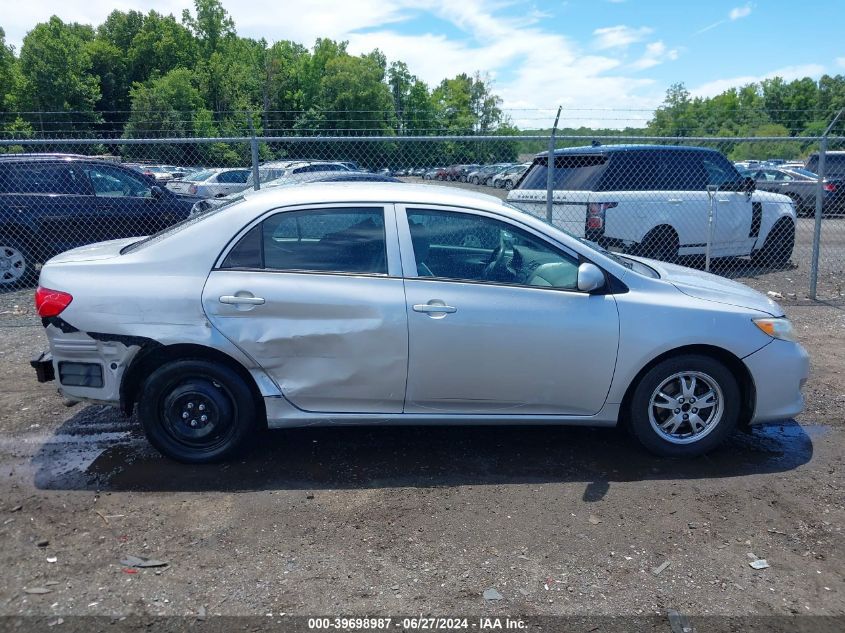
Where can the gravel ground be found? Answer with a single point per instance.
(410, 520)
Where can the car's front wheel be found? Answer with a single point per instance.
(196, 411)
(777, 249)
(684, 406)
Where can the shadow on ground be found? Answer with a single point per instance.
(368, 457)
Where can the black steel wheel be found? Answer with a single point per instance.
(197, 411)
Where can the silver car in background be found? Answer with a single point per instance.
(405, 304)
(211, 183)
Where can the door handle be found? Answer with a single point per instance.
(428, 308)
(242, 301)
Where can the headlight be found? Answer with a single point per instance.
(776, 328)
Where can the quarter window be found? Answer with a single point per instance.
(322, 240)
(466, 247)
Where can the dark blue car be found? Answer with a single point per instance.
(50, 203)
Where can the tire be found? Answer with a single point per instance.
(661, 243)
(475, 180)
(17, 264)
(176, 392)
(662, 430)
(777, 249)
(508, 184)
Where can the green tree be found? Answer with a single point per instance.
(9, 77)
(675, 117)
(55, 68)
(211, 25)
(161, 45)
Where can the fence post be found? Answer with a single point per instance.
(817, 227)
(550, 166)
(711, 195)
(253, 142)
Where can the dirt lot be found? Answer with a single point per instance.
(410, 521)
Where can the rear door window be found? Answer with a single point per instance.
(238, 177)
(348, 240)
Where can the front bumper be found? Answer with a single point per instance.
(779, 371)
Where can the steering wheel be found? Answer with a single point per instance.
(497, 257)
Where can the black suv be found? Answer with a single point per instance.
(834, 163)
(50, 203)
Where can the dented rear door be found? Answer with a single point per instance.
(333, 341)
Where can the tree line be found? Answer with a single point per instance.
(771, 108)
(152, 76)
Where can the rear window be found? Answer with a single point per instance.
(571, 173)
(199, 176)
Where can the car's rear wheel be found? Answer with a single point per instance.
(17, 266)
(475, 180)
(777, 249)
(509, 184)
(684, 406)
(195, 411)
(661, 243)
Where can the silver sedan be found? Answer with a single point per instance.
(405, 304)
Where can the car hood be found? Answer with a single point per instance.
(709, 287)
(91, 252)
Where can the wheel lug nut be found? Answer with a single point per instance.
(201, 407)
(677, 410)
(190, 405)
(193, 422)
(185, 415)
(692, 399)
(203, 418)
(686, 417)
(695, 410)
(681, 400)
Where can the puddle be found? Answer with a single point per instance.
(371, 457)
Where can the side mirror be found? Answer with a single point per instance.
(749, 184)
(156, 192)
(590, 277)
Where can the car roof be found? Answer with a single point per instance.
(380, 192)
(612, 149)
(36, 157)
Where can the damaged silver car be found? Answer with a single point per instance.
(386, 304)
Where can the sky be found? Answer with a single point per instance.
(606, 62)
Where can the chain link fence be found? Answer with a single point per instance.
(776, 221)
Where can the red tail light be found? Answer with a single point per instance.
(829, 186)
(595, 214)
(50, 303)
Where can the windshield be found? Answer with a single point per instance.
(630, 264)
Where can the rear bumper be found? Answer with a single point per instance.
(779, 371)
(43, 366)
